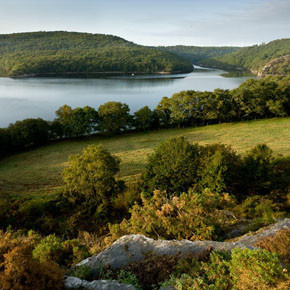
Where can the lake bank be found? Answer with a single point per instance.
(41, 97)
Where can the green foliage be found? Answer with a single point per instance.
(258, 169)
(128, 278)
(243, 269)
(81, 54)
(83, 272)
(259, 211)
(197, 54)
(28, 132)
(255, 269)
(114, 117)
(172, 167)
(253, 57)
(49, 249)
(18, 268)
(189, 216)
(91, 176)
(220, 168)
(143, 119)
(75, 123)
(64, 253)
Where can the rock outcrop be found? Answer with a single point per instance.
(76, 283)
(271, 67)
(135, 248)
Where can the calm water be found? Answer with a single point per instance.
(41, 97)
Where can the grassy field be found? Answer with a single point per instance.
(39, 171)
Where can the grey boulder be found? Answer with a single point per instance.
(76, 283)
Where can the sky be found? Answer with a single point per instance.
(155, 22)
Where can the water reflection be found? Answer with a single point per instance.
(40, 97)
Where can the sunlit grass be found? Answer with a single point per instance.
(39, 171)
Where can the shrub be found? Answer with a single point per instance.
(90, 175)
(258, 170)
(219, 169)
(128, 278)
(66, 253)
(255, 269)
(190, 216)
(172, 167)
(18, 268)
(279, 244)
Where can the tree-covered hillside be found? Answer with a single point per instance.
(48, 53)
(196, 54)
(254, 58)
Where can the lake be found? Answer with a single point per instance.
(41, 97)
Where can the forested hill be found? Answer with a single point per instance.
(255, 58)
(197, 54)
(49, 53)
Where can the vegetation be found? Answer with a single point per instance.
(197, 54)
(254, 58)
(81, 54)
(182, 190)
(243, 269)
(254, 99)
(20, 270)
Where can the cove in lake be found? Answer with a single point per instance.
(41, 97)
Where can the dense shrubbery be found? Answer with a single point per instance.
(191, 216)
(20, 270)
(253, 99)
(244, 269)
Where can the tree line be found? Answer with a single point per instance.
(254, 99)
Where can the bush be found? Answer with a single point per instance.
(258, 170)
(18, 268)
(66, 253)
(259, 211)
(172, 167)
(279, 244)
(244, 269)
(219, 169)
(90, 176)
(255, 269)
(190, 216)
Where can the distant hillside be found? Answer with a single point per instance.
(255, 58)
(197, 54)
(49, 53)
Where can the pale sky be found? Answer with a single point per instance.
(155, 22)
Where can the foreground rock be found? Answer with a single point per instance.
(134, 248)
(76, 283)
(251, 239)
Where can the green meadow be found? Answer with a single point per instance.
(38, 171)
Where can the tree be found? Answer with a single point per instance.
(4, 142)
(220, 169)
(28, 132)
(143, 119)
(63, 116)
(258, 169)
(114, 117)
(172, 167)
(91, 175)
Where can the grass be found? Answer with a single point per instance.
(39, 171)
